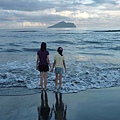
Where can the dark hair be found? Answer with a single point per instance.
(43, 46)
(60, 50)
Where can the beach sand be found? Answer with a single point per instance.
(93, 104)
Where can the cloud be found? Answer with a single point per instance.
(47, 12)
(114, 2)
(24, 5)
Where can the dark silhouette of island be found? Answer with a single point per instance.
(63, 25)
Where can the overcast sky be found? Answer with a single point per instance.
(86, 14)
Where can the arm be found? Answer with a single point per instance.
(48, 60)
(64, 65)
(37, 62)
(53, 65)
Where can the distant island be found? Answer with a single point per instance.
(63, 25)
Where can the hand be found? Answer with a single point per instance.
(51, 70)
(65, 70)
(37, 67)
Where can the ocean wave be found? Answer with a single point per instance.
(35, 42)
(14, 44)
(30, 49)
(24, 50)
(80, 76)
(1, 48)
(51, 49)
(25, 31)
(115, 48)
(67, 33)
(11, 50)
(92, 42)
(63, 42)
(95, 53)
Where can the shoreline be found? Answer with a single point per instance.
(92, 104)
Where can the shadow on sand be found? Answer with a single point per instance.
(59, 109)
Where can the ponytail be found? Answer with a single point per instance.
(60, 50)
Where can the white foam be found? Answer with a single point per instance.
(79, 76)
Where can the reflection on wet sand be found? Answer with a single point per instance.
(44, 111)
(59, 108)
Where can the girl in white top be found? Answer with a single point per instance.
(59, 64)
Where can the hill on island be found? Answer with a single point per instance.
(63, 25)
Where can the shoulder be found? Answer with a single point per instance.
(56, 55)
(63, 57)
(47, 52)
(38, 52)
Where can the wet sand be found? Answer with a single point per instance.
(94, 104)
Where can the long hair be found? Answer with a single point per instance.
(60, 50)
(43, 46)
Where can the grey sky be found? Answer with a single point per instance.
(86, 14)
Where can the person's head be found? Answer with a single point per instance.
(60, 50)
(43, 46)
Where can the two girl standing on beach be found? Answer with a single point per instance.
(43, 63)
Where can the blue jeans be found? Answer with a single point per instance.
(58, 70)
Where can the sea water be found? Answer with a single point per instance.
(92, 58)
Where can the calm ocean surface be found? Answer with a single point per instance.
(92, 58)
